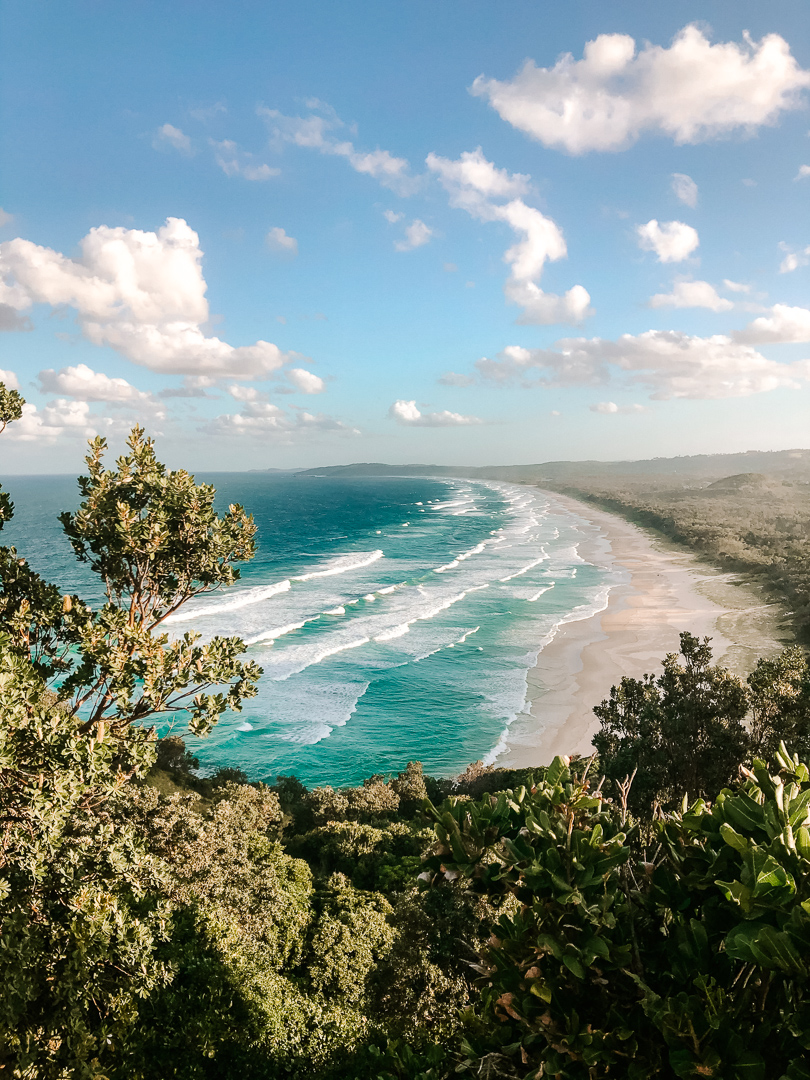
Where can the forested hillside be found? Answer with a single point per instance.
(756, 523)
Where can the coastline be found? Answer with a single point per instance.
(668, 591)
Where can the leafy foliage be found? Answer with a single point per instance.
(682, 732)
(80, 902)
(693, 964)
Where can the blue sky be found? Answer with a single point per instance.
(289, 235)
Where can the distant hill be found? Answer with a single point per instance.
(708, 468)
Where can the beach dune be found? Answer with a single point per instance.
(668, 590)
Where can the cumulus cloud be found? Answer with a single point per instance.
(691, 91)
(305, 381)
(667, 363)
(142, 293)
(685, 189)
(803, 173)
(5, 218)
(72, 418)
(609, 408)
(473, 183)
(392, 217)
(736, 286)
(318, 132)
(406, 412)
(83, 383)
(264, 420)
(783, 325)
(692, 294)
(416, 235)
(278, 241)
(170, 136)
(9, 380)
(673, 241)
(236, 162)
(793, 259)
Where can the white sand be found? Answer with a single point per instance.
(669, 591)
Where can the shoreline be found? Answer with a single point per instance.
(668, 591)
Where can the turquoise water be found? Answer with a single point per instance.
(394, 618)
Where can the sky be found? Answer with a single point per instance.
(289, 235)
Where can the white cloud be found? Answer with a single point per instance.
(455, 378)
(277, 240)
(685, 189)
(171, 136)
(142, 293)
(263, 419)
(208, 112)
(59, 418)
(748, 182)
(305, 381)
(11, 321)
(449, 268)
(691, 91)
(406, 412)
(736, 286)
(672, 242)
(315, 132)
(9, 380)
(236, 162)
(472, 183)
(610, 408)
(793, 259)
(692, 294)
(784, 325)
(668, 363)
(193, 386)
(803, 173)
(416, 235)
(83, 383)
(5, 218)
(472, 178)
(392, 217)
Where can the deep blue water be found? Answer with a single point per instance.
(395, 618)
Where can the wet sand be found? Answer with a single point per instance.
(667, 591)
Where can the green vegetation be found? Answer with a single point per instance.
(754, 523)
(643, 914)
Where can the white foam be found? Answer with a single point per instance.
(537, 595)
(525, 569)
(342, 564)
(245, 727)
(316, 658)
(245, 598)
(336, 611)
(279, 631)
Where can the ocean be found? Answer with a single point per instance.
(395, 618)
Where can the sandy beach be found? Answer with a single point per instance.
(666, 591)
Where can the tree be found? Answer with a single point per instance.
(779, 692)
(85, 908)
(79, 896)
(156, 541)
(681, 733)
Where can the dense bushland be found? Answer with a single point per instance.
(750, 523)
(642, 914)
